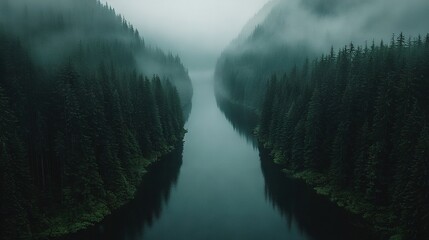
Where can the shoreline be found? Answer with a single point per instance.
(380, 220)
(343, 198)
(94, 211)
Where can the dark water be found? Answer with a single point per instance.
(222, 187)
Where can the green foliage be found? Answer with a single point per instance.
(78, 130)
(313, 155)
(359, 120)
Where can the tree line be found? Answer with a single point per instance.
(79, 122)
(72, 143)
(359, 117)
(87, 31)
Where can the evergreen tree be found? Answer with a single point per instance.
(355, 120)
(313, 137)
(267, 109)
(76, 136)
(340, 166)
(298, 145)
(415, 208)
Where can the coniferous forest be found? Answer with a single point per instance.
(312, 123)
(360, 119)
(85, 107)
(354, 125)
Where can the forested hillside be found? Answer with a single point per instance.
(85, 106)
(56, 30)
(352, 123)
(355, 124)
(284, 33)
(259, 51)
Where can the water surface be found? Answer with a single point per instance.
(221, 187)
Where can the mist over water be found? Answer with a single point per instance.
(200, 30)
(196, 30)
(95, 97)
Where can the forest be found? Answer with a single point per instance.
(313, 124)
(85, 107)
(354, 124)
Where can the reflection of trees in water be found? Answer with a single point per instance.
(130, 221)
(312, 213)
(297, 203)
(243, 121)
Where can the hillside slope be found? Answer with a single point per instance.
(285, 33)
(85, 107)
(55, 31)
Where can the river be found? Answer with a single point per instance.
(222, 187)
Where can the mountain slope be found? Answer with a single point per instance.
(285, 33)
(79, 122)
(54, 31)
(352, 123)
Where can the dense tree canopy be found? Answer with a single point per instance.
(78, 122)
(360, 117)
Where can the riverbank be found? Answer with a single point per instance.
(320, 182)
(62, 222)
(381, 219)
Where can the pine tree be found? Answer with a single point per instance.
(380, 166)
(152, 117)
(340, 166)
(14, 221)
(74, 145)
(415, 208)
(267, 109)
(13, 202)
(361, 161)
(163, 109)
(313, 136)
(298, 146)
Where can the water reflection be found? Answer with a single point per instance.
(243, 121)
(130, 221)
(225, 190)
(314, 214)
(298, 204)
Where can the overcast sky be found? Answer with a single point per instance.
(198, 30)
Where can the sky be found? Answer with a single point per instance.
(199, 30)
(325, 23)
(196, 30)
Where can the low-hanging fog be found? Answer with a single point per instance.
(199, 30)
(58, 31)
(325, 23)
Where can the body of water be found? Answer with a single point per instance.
(222, 187)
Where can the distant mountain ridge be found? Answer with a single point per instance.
(352, 120)
(255, 21)
(46, 26)
(286, 32)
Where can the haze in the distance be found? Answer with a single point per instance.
(197, 30)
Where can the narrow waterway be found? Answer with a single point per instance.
(221, 187)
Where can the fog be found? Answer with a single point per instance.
(337, 22)
(55, 32)
(197, 30)
(316, 25)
